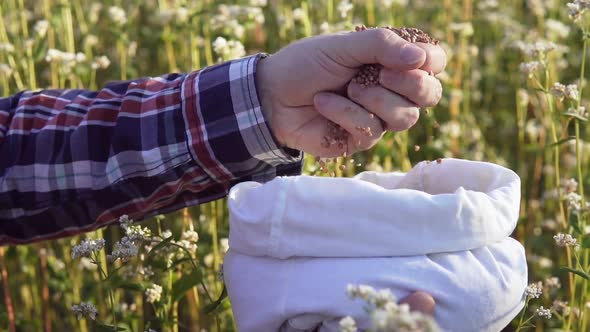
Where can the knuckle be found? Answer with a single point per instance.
(382, 35)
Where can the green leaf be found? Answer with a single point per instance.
(100, 327)
(40, 50)
(160, 245)
(574, 222)
(585, 242)
(576, 116)
(535, 149)
(136, 287)
(186, 282)
(176, 263)
(578, 272)
(211, 307)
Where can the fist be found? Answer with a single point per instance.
(306, 84)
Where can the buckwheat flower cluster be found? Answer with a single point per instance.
(6, 48)
(574, 202)
(344, 7)
(543, 313)
(85, 309)
(154, 293)
(128, 246)
(347, 324)
(570, 185)
(534, 290)
(65, 60)
(529, 68)
(87, 247)
(577, 8)
(5, 70)
(41, 28)
(386, 314)
(100, 62)
(557, 29)
(566, 240)
(228, 49)
(177, 15)
(562, 307)
(552, 283)
(188, 240)
(230, 19)
(118, 15)
(537, 49)
(578, 112)
(561, 91)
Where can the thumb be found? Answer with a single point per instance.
(374, 46)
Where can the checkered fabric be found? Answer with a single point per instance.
(75, 160)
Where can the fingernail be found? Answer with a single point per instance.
(411, 54)
(321, 99)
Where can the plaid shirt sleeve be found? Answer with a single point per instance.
(74, 160)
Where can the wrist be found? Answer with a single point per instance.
(265, 92)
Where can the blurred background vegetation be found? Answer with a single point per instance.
(490, 111)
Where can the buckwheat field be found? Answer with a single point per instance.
(514, 94)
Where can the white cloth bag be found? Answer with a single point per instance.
(296, 242)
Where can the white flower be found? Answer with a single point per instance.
(118, 15)
(91, 40)
(558, 90)
(85, 309)
(552, 282)
(224, 244)
(154, 293)
(6, 47)
(574, 202)
(464, 28)
(529, 68)
(344, 7)
(534, 290)
(228, 50)
(258, 3)
(571, 91)
(570, 185)
(166, 234)
(178, 15)
(451, 129)
(87, 247)
(86, 264)
(5, 70)
(544, 313)
(556, 28)
(41, 28)
(565, 240)
(80, 57)
(560, 307)
(347, 324)
(219, 45)
(298, 14)
(101, 62)
(125, 250)
(577, 8)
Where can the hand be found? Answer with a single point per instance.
(303, 85)
(420, 301)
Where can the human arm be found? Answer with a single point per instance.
(74, 160)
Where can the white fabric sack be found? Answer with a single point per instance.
(462, 208)
(476, 290)
(454, 205)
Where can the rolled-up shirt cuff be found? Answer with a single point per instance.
(227, 133)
